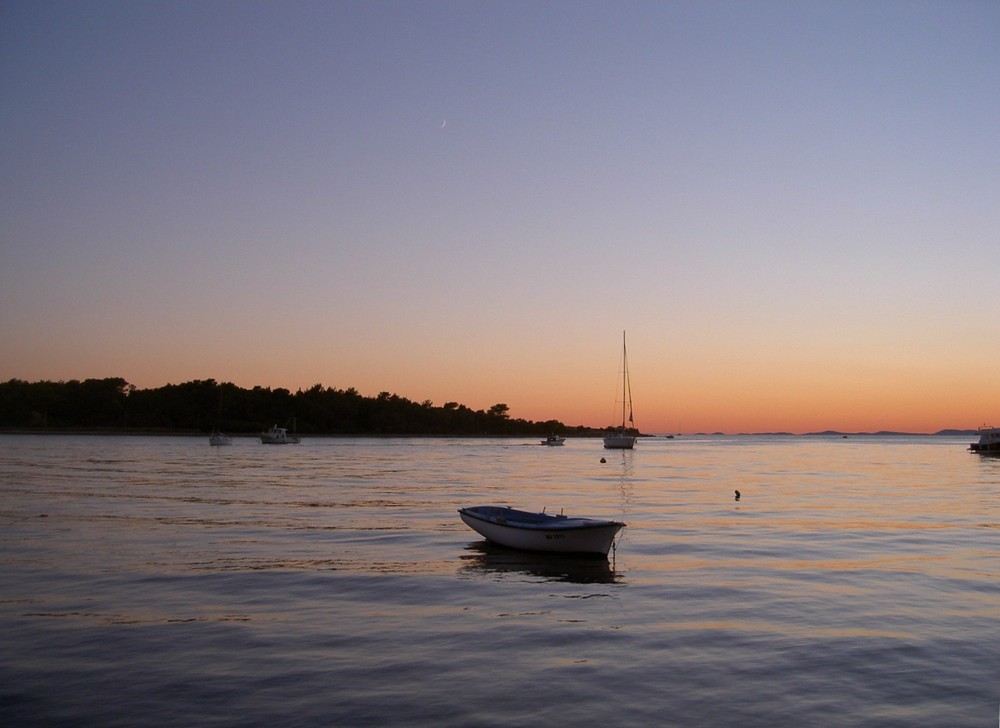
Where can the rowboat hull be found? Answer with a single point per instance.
(541, 532)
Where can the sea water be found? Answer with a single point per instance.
(160, 581)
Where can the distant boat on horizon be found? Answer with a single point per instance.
(623, 438)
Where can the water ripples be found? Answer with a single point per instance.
(855, 582)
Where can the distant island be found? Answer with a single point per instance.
(880, 433)
(889, 433)
(201, 406)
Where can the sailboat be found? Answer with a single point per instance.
(218, 438)
(622, 437)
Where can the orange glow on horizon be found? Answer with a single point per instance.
(775, 398)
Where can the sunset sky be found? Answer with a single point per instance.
(793, 208)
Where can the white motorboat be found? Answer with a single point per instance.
(989, 441)
(278, 436)
(553, 440)
(218, 439)
(516, 529)
(623, 438)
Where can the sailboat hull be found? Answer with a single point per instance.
(619, 442)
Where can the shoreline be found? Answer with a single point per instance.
(97, 432)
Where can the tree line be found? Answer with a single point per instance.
(201, 406)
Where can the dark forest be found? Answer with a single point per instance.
(201, 406)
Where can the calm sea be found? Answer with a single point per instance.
(159, 581)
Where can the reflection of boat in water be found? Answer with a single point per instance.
(989, 441)
(486, 557)
(541, 532)
(553, 440)
(278, 436)
(623, 438)
(218, 439)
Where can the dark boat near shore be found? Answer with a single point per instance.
(989, 441)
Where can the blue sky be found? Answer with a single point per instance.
(790, 206)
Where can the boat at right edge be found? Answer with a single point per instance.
(989, 441)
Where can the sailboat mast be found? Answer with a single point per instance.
(624, 378)
(628, 382)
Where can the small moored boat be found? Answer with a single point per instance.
(218, 439)
(553, 440)
(278, 436)
(516, 529)
(989, 441)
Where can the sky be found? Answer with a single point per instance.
(791, 208)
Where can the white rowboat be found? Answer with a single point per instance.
(541, 532)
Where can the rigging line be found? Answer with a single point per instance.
(627, 382)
